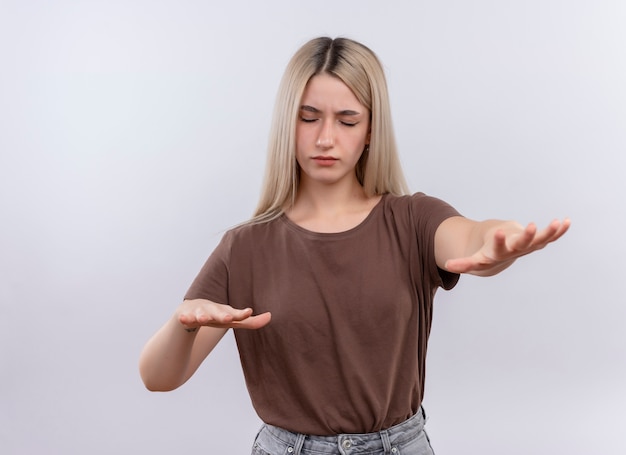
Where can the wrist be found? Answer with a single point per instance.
(179, 320)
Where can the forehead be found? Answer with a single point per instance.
(324, 90)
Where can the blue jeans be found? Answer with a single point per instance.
(406, 438)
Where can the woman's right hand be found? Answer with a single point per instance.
(171, 356)
(201, 312)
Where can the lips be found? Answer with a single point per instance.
(325, 160)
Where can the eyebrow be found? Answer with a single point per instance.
(315, 110)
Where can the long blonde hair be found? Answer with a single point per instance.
(378, 169)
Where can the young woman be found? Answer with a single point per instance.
(330, 285)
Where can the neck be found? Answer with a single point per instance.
(318, 198)
(331, 208)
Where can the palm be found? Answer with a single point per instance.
(505, 245)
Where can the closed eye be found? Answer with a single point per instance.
(311, 120)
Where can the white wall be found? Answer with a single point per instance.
(132, 134)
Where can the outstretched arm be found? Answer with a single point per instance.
(488, 247)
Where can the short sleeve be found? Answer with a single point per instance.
(211, 283)
(429, 212)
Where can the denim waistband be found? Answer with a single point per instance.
(384, 441)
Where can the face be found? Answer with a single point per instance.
(332, 130)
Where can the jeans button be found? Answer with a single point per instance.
(347, 444)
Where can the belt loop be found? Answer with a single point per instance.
(297, 446)
(384, 435)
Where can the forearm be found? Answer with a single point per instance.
(165, 357)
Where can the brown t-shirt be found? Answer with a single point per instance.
(351, 312)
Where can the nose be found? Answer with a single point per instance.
(326, 138)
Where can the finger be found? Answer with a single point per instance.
(456, 265)
(253, 322)
(553, 232)
(240, 315)
(221, 314)
(467, 264)
(191, 320)
(224, 316)
(520, 242)
(499, 242)
(210, 314)
(186, 319)
(563, 228)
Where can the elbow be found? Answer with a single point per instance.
(156, 381)
(150, 383)
(153, 387)
(157, 385)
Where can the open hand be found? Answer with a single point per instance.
(506, 242)
(201, 312)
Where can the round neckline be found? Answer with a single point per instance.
(296, 227)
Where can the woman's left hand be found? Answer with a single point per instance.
(503, 243)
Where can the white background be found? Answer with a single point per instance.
(133, 133)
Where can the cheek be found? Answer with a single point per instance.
(301, 137)
(299, 144)
(300, 150)
(305, 140)
(359, 142)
